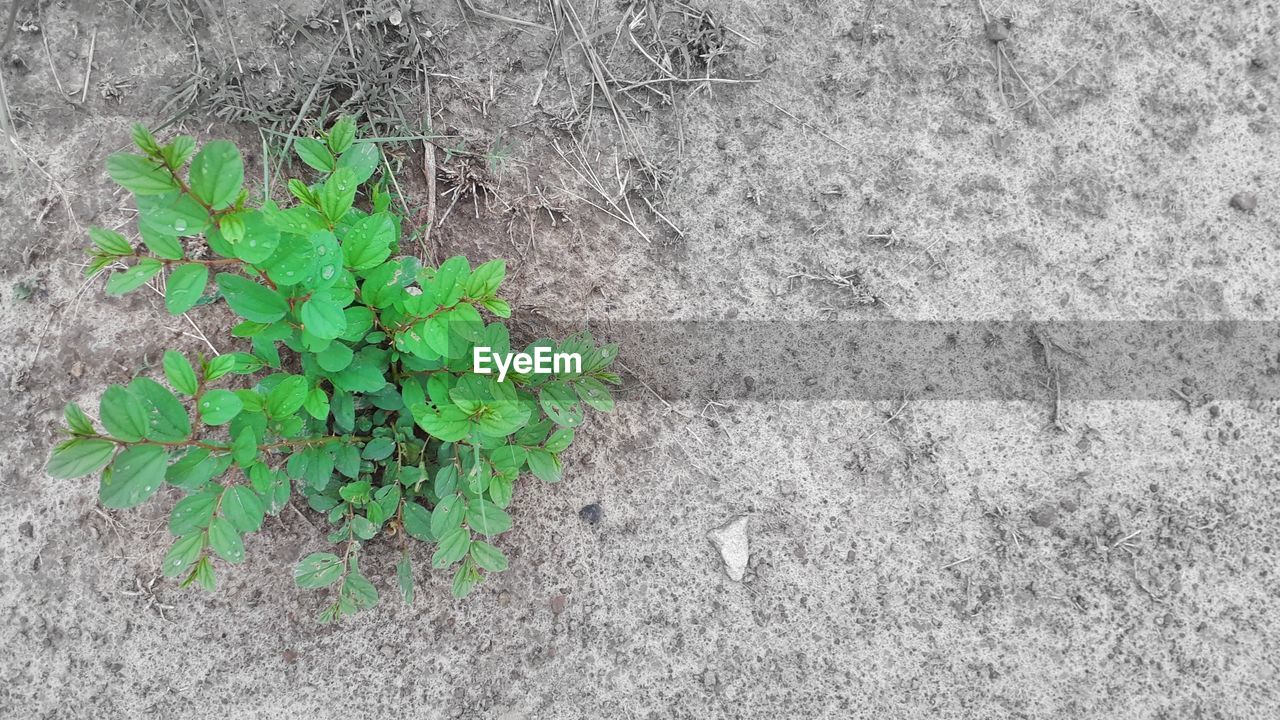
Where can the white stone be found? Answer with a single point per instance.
(731, 540)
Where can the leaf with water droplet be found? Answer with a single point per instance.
(337, 194)
(218, 407)
(368, 242)
(217, 172)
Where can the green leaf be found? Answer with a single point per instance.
(453, 546)
(79, 457)
(362, 159)
(316, 404)
(172, 215)
(161, 244)
(487, 556)
(337, 194)
(323, 317)
(446, 482)
(487, 518)
(544, 465)
(294, 259)
(251, 300)
(447, 286)
(561, 403)
(450, 424)
(466, 579)
(404, 577)
(501, 488)
(318, 570)
(244, 446)
(365, 373)
(358, 590)
(167, 415)
(123, 415)
(286, 397)
(219, 407)
(216, 174)
(342, 405)
(363, 527)
(193, 512)
(314, 153)
(335, 358)
(484, 280)
(140, 175)
(417, 522)
(225, 541)
(194, 470)
(447, 515)
(123, 282)
(143, 138)
(368, 242)
(133, 477)
(341, 135)
(203, 574)
(261, 238)
(242, 506)
(77, 421)
(594, 393)
(185, 550)
(501, 419)
(179, 150)
(180, 373)
(185, 286)
(497, 306)
(110, 241)
(559, 440)
(378, 449)
(219, 366)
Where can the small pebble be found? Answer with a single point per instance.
(731, 540)
(291, 656)
(1244, 201)
(27, 529)
(557, 604)
(1045, 515)
(591, 514)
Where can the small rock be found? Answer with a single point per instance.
(27, 529)
(1244, 201)
(731, 540)
(721, 143)
(291, 656)
(997, 31)
(557, 604)
(1045, 516)
(504, 598)
(591, 514)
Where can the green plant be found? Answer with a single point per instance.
(377, 418)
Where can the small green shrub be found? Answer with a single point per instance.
(376, 416)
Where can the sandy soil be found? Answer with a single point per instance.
(1013, 554)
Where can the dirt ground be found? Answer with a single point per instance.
(1024, 554)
